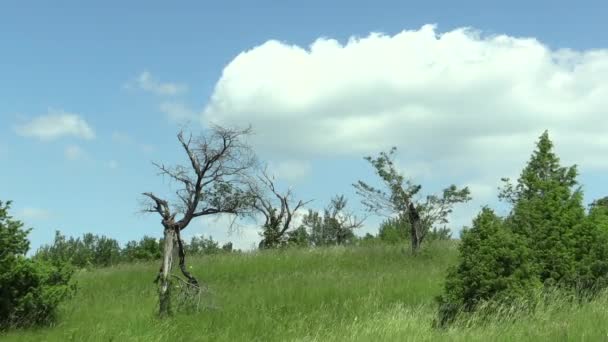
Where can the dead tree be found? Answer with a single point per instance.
(276, 208)
(400, 199)
(211, 183)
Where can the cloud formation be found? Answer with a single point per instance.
(147, 82)
(56, 124)
(455, 100)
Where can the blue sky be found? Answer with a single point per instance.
(91, 94)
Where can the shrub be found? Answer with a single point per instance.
(30, 290)
(494, 267)
(547, 239)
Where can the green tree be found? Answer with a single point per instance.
(398, 199)
(547, 212)
(91, 250)
(147, 248)
(591, 249)
(298, 237)
(494, 266)
(394, 230)
(335, 227)
(30, 290)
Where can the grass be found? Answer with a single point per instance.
(375, 293)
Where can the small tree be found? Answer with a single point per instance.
(278, 213)
(335, 227)
(30, 290)
(298, 237)
(399, 199)
(494, 266)
(212, 183)
(547, 212)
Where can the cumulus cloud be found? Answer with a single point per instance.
(459, 105)
(147, 82)
(446, 96)
(243, 235)
(178, 112)
(54, 125)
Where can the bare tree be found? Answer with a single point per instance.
(400, 199)
(211, 183)
(340, 222)
(278, 208)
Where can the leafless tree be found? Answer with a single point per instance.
(210, 183)
(276, 207)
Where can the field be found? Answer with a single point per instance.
(375, 293)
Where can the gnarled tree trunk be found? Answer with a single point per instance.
(165, 281)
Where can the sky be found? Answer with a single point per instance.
(91, 94)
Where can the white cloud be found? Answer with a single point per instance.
(30, 213)
(178, 112)
(74, 152)
(291, 170)
(145, 81)
(56, 124)
(243, 235)
(458, 105)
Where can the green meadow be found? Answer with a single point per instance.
(366, 293)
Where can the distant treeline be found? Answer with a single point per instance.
(94, 250)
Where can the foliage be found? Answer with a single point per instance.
(546, 241)
(91, 250)
(494, 266)
(30, 290)
(398, 198)
(547, 213)
(335, 227)
(299, 237)
(200, 245)
(148, 248)
(396, 230)
(100, 251)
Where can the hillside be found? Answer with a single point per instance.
(376, 293)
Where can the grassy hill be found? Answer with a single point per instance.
(376, 293)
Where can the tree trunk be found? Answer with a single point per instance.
(192, 281)
(165, 281)
(415, 228)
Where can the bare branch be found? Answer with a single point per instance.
(161, 206)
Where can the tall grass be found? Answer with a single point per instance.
(374, 293)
